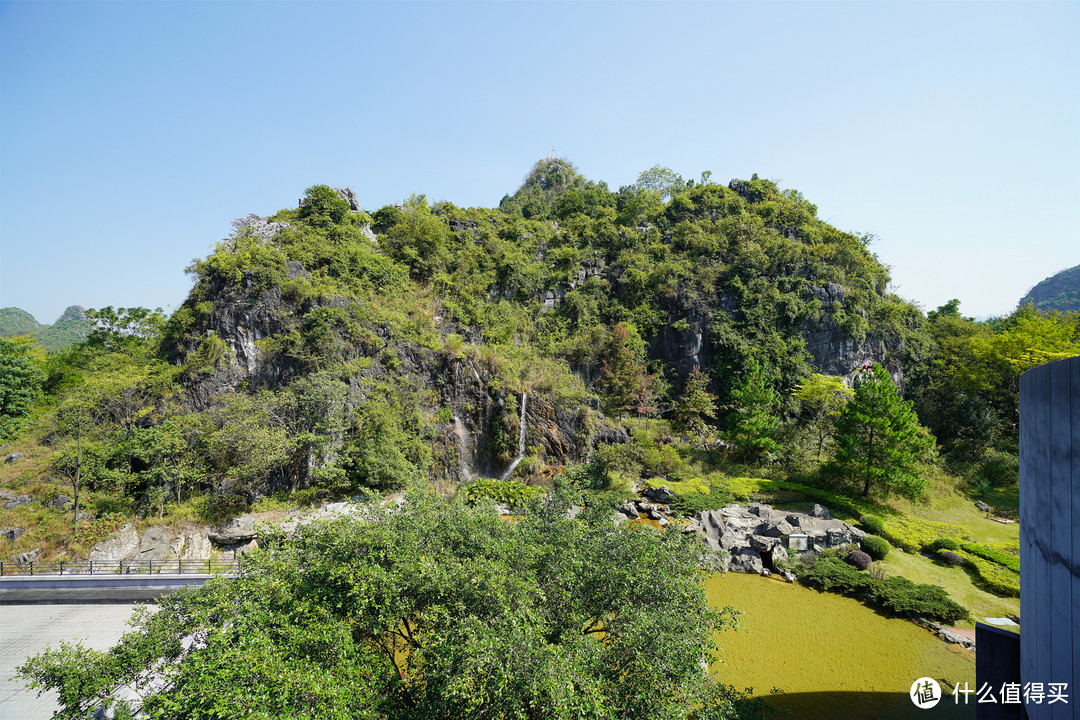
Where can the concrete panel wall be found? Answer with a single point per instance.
(1049, 540)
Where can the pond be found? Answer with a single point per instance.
(831, 656)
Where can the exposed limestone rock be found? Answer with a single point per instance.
(121, 547)
(757, 530)
(14, 458)
(18, 501)
(237, 531)
(25, 558)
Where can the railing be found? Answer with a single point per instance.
(123, 567)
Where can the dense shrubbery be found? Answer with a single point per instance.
(876, 547)
(508, 492)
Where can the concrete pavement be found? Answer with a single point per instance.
(26, 629)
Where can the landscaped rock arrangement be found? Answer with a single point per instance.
(754, 538)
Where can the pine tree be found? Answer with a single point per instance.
(697, 404)
(879, 439)
(751, 417)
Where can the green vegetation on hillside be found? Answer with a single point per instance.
(325, 349)
(1059, 292)
(720, 340)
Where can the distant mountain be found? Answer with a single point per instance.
(71, 327)
(1058, 292)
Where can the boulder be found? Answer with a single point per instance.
(762, 542)
(14, 457)
(11, 534)
(628, 509)
(837, 536)
(760, 510)
(28, 557)
(61, 502)
(662, 495)
(196, 545)
(746, 560)
(7, 495)
(779, 556)
(18, 502)
(982, 506)
(115, 549)
(728, 541)
(782, 528)
(237, 531)
(711, 523)
(819, 511)
(664, 522)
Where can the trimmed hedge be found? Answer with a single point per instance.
(1010, 561)
(948, 557)
(858, 559)
(896, 594)
(876, 547)
(872, 524)
(945, 544)
(997, 579)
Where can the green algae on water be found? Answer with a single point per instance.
(831, 656)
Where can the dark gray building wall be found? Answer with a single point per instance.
(1049, 538)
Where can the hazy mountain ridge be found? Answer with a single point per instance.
(71, 327)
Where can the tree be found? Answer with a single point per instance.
(133, 331)
(879, 439)
(822, 397)
(436, 610)
(627, 382)
(665, 182)
(697, 405)
(79, 420)
(21, 378)
(751, 415)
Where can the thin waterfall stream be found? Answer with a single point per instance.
(521, 441)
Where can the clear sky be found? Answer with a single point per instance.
(133, 133)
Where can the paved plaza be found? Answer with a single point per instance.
(26, 629)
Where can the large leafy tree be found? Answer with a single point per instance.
(821, 398)
(879, 440)
(431, 611)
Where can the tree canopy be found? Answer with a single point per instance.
(436, 610)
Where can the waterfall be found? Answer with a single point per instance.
(463, 452)
(521, 441)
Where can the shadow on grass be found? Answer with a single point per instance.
(868, 705)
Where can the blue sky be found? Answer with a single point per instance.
(132, 134)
